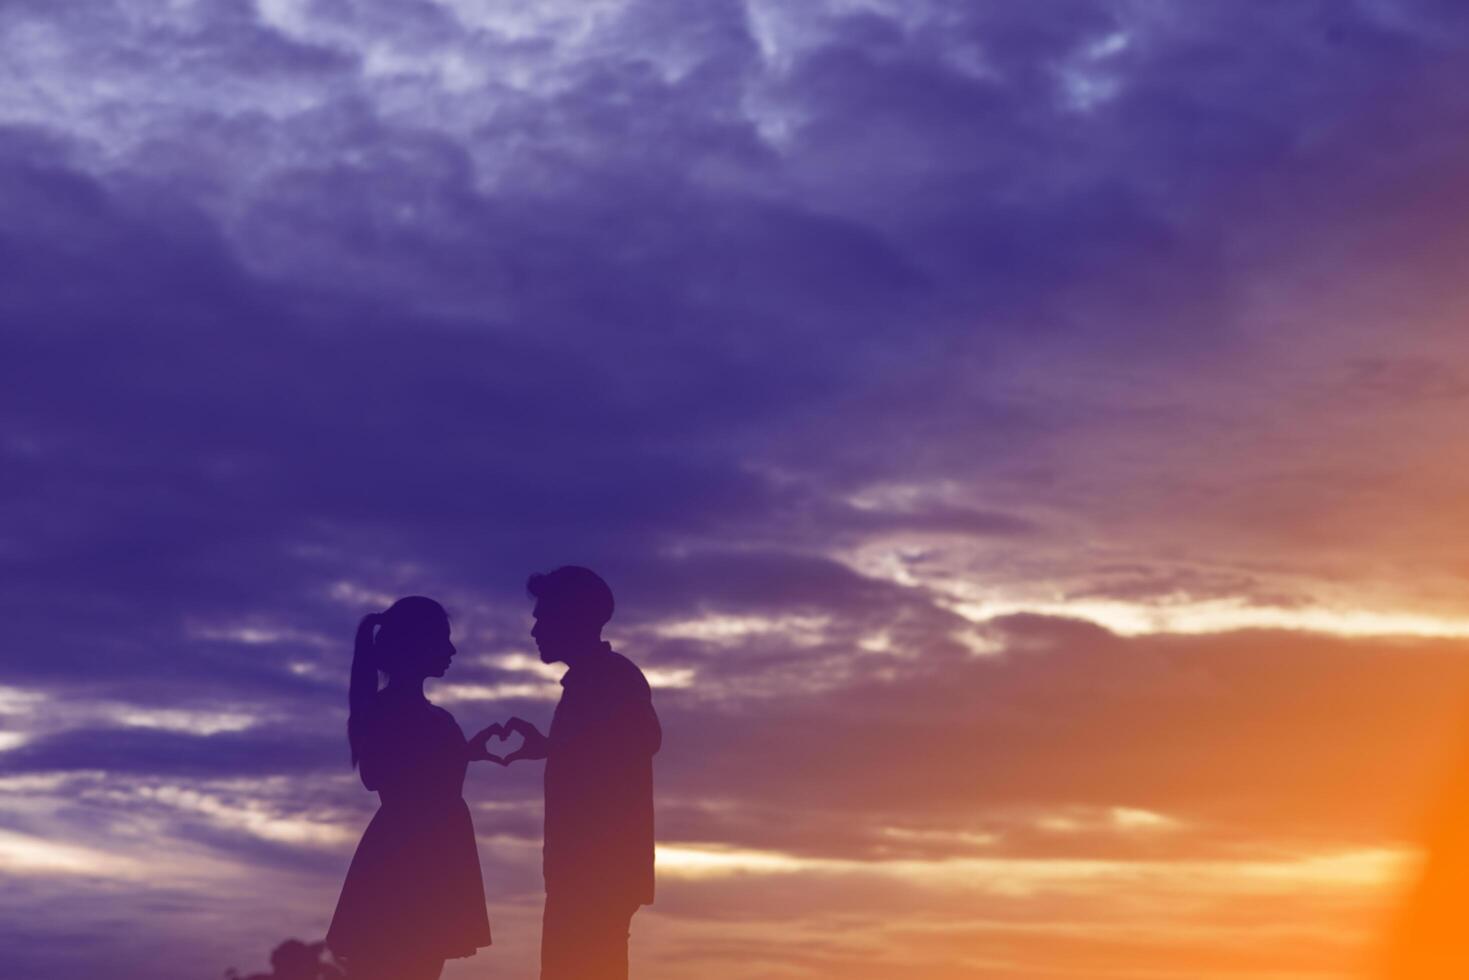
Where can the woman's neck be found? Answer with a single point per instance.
(406, 687)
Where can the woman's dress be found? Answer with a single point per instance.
(414, 888)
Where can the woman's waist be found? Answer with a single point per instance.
(408, 803)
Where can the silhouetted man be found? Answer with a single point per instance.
(598, 854)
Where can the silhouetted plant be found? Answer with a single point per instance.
(295, 960)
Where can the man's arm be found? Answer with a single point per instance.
(645, 733)
(619, 723)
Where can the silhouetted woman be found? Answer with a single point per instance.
(413, 895)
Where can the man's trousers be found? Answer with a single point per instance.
(584, 937)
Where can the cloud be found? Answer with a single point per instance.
(133, 750)
(1251, 739)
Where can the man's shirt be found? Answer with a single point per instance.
(599, 782)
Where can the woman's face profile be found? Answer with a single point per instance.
(428, 649)
(437, 649)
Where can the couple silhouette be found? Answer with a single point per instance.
(413, 896)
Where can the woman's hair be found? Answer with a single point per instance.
(396, 629)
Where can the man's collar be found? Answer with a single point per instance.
(589, 659)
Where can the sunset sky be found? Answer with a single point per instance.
(1025, 440)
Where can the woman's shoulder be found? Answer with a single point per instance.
(388, 707)
(391, 721)
(444, 717)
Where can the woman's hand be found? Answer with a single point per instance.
(535, 745)
(478, 746)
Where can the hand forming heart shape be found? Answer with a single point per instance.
(480, 744)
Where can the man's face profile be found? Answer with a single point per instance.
(552, 631)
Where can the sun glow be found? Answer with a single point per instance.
(1359, 869)
(707, 860)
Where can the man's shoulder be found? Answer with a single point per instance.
(620, 672)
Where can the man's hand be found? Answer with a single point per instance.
(479, 750)
(535, 745)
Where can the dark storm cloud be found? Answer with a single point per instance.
(213, 432)
(595, 345)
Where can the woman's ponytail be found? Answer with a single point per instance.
(362, 688)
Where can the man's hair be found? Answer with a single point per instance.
(573, 591)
